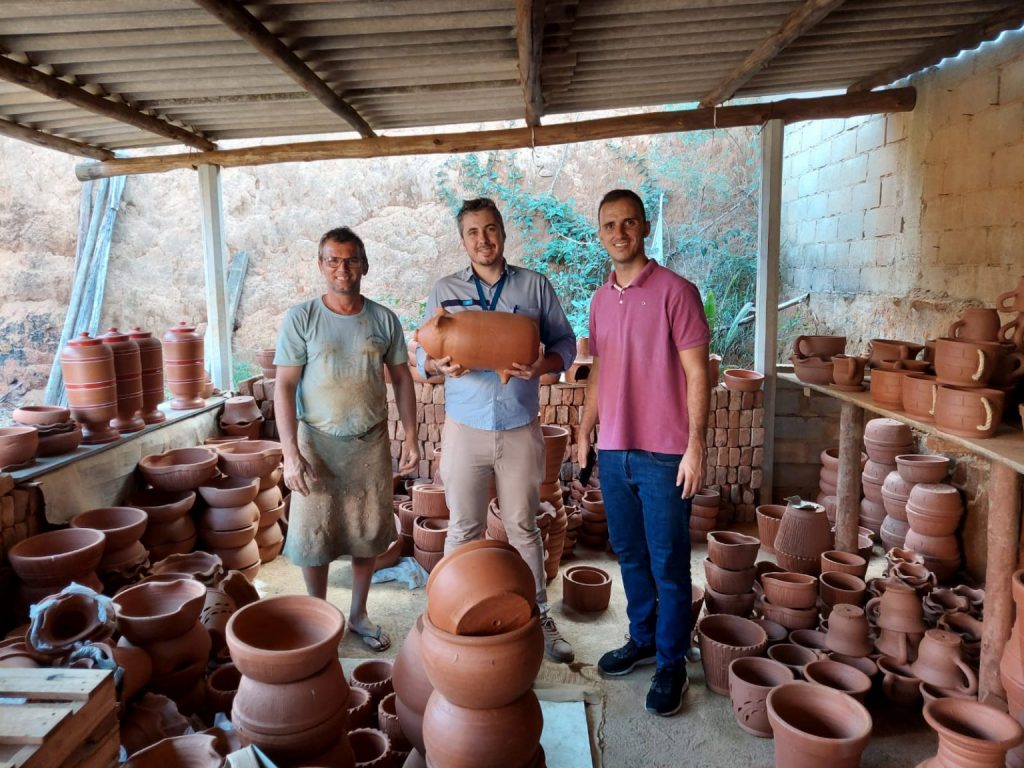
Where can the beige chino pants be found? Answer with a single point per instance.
(515, 457)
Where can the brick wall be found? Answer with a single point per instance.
(894, 223)
(806, 423)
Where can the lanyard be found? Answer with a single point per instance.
(497, 292)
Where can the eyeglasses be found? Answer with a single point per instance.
(335, 263)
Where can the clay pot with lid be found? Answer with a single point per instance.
(151, 358)
(722, 639)
(183, 366)
(128, 380)
(750, 680)
(87, 365)
(971, 734)
(815, 725)
(918, 396)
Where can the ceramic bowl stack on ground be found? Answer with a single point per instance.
(884, 440)
(246, 460)
(162, 618)
(125, 558)
(933, 513)
(429, 505)
(48, 562)
(556, 442)
(803, 535)
(169, 529)
(729, 573)
(176, 471)
(911, 469)
(292, 699)
(790, 599)
(704, 513)
(594, 531)
(369, 685)
(241, 417)
(57, 432)
(482, 646)
(586, 588)
(769, 518)
(229, 524)
(272, 505)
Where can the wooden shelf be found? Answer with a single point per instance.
(1006, 447)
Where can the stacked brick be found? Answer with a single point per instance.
(735, 452)
(262, 389)
(21, 516)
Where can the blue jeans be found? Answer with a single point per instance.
(649, 526)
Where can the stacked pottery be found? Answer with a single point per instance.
(18, 447)
(769, 518)
(177, 470)
(229, 524)
(704, 513)
(292, 699)
(1011, 670)
(162, 618)
(128, 380)
(169, 529)
(729, 573)
(933, 513)
(594, 531)
(573, 526)
(269, 536)
(911, 469)
(428, 504)
(151, 358)
(57, 433)
(802, 536)
(972, 375)
(48, 562)
(898, 617)
(884, 440)
(406, 523)
(790, 599)
(722, 639)
(828, 480)
(556, 439)
(183, 366)
(389, 725)
(241, 417)
(412, 686)
(265, 360)
(815, 725)
(586, 589)
(482, 646)
(124, 557)
(87, 365)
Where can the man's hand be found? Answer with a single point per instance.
(691, 472)
(410, 456)
(582, 448)
(444, 366)
(298, 473)
(528, 372)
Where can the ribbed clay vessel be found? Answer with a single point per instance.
(722, 639)
(128, 380)
(803, 535)
(183, 366)
(87, 365)
(151, 356)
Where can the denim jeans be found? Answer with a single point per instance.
(649, 526)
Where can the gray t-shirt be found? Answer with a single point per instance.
(341, 391)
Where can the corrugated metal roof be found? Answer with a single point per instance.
(419, 63)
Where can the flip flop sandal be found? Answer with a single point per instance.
(377, 640)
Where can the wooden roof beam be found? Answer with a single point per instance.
(48, 140)
(236, 18)
(22, 74)
(971, 37)
(530, 43)
(789, 110)
(795, 25)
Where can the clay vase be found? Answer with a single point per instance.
(183, 366)
(481, 340)
(751, 678)
(503, 737)
(722, 639)
(151, 357)
(814, 726)
(940, 662)
(848, 372)
(803, 535)
(128, 380)
(87, 365)
(971, 734)
(968, 412)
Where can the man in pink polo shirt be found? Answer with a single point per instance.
(649, 340)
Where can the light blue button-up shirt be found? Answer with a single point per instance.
(478, 399)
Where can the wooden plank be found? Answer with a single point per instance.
(796, 24)
(100, 753)
(530, 45)
(851, 439)
(218, 332)
(788, 110)
(101, 260)
(236, 279)
(1010, 18)
(49, 141)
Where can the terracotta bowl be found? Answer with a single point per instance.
(922, 468)
(791, 618)
(239, 558)
(17, 444)
(163, 506)
(936, 499)
(229, 518)
(158, 610)
(41, 415)
(230, 539)
(57, 556)
(790, 590)
(742, 380)
(732, 605)
(269, 498)
(272, 515)
(735, 551)
(795, 657)
(201, 566)
(728, 582)
(230, 491)
(249, 458)
(284, 638)
(429, 533)
(271, 479)
(586, 588)
(196, 749)
(843, 562)
(180, 469)
(121, 525)
(59, 443)
(812, 639)
(841, 677)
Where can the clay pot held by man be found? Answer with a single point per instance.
(481, 340)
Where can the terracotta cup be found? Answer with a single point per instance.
(968, 412)
(976, 324)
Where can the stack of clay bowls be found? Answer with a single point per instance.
(369, 686)
(428, 504)
(790, 599)
(729, 572)
(87, 365)
(1011, 669)
(265, 360)
(573, 526)
(769, 518)
(884, 440)
(57, 431)
(48, 562)
(241, 417)
(802, 536)
(898, 617)
(594, 531)
(586, 588)
(828, 480)
(556, 439)
(292, 699)
(812, 357)
(169, 529)
(482, 646)
(229, 523)
(162, 617)
(270, 538)
(124, 557)
(18, 447)
(933, 513)
(174, 472)
(554, 546)
(704, 513)
(911, 469)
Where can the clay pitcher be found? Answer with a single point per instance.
(976, 324)
(940, 662)
(848, 370)
(490, 341)
(1013, 332)
(128, 380)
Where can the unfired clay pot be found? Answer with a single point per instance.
(722, 639)
(87, 365)
(503, 737)
(750, 680)
(814, 726)
(971, 734)
(183, 366)
(481, 340)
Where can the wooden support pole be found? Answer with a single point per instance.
(48, 140)
(851, 439)
(218, 334)
(769, 239)
(1003, 533)
(787, 110)
(530, 44)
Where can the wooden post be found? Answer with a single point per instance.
(218, 333)
(769, 236)
(1003, 535)
(851, 438)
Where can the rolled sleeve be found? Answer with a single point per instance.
(556, 332)
(428, 312)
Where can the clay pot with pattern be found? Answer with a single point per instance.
(802, 536)
(815, 725)
(183, 366)
(887, 388)
(722, 639)
(128, 380)
(976, 324)
(750, 680)
(87, 365)
(769, 518)
(375, 675)
(965, 363)
(968, 412)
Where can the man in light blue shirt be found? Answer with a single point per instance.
(492, 429)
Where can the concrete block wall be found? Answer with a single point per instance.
(894, 223)
(806, 423)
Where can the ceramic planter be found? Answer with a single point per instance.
(848, 631)
(794, 657)
(964, 363)
(791, 618)
(428, 501)
(750, 680)
(790, 590)
(971, 734)
(156, 610)
(731, 550)
(294, 746)
(882, 350)
(429, 533)
(733, 605)
(918, 396)
(722, 639)
(371, 748)
(835, 560)
(841, 677)
(724, 581)
(586, 589)
(814, 726)
(837, 588)
(374, 676)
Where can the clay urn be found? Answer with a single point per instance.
(502, 737)
(183, 366)
(848, 631)
(815, 725)
(940, 662)
(87, 365)
(971, 734)
(841, 677)
(481, 340)
(722, 639)
(742, 380)
(586, 588)
(750, 680)
(731, 550)
(769, 518)
(147, 613)
(151, 359)
(128, 380)
(179, 469)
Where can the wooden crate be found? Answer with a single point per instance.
(58, 718)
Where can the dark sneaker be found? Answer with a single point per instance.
(668, 685)
(555, 646)
(624, 660)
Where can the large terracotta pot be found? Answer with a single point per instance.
(815, 726)
(971, 734)
(87, 365)
(128, 379)
(151, 357)
(481, 340)
(183, 366)
(152, 611)
(750, 680)
(722, 639)
(409, 677)
(503, 737)
(281, 708)
(55, 558)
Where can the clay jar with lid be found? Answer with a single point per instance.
(183, 366)
(87, 365)
(128, 380)
(151, 357)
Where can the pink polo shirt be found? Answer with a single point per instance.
(638, 332)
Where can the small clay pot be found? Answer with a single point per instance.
(249, 458)
(722, 639)
(586, 588)
(387, 720)
(374, 675)
(835, 560)
(122, 526)
(179, 469)
(230, 491)
(814, 726)
(429, 533)
(163, 506)
(41, 415)
(791, 618)
(899, 685)
(750, 680)
(776, 632)
(372, 748)
(841, 677)
(360, 708)
(727, 582)
(848, 631)
(841, 588)
(769, 518)
(790, 590)
(814, 639)
(429, 501)
(742, 380)
(794, 657)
